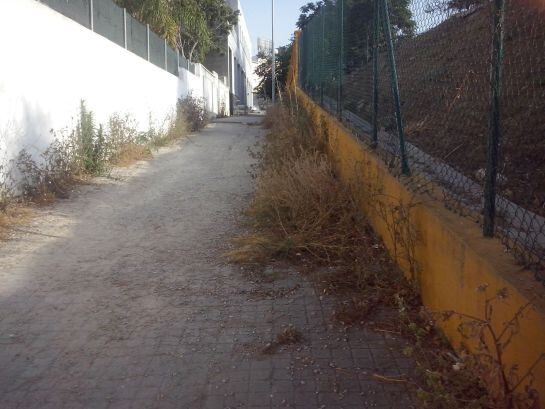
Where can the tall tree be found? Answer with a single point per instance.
(196, 27)
(156, 13)
(307, 12)
(204, 24)
(264, 70)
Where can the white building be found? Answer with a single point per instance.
(264, 46)
(236, 61)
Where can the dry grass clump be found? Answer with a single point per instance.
(289, 336)
(306, 207)
(274, 112)
(11, 216)
(300, 207)
(125, 145)
(302, 212)
(291, 136)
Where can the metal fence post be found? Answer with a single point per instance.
(376, 26)
(147, 40)
(91, 15)
(125, 28)
(312, 73)
(494, 136)
(395, 89)
(166, 59)
(341, 55)
(322, 58)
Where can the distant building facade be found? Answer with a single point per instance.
(235, 62)
(264, 46)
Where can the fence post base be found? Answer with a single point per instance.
(395, 89)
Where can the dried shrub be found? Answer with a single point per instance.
(125, 144)
(11, 216)
(52, 176)
(194, 112)
(308, 209)
(289, 336)
(299, 205)
(302, 212)
(509, 386)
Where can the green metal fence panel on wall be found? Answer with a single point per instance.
(137, 37)
(112, 22)
(108, 21)
(441, 105)
(156, 49)
(77, 10)
(172, 61)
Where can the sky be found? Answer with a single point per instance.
(258, 19)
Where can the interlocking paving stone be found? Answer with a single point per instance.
(133, 306)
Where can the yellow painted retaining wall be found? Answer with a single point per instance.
(445, 253)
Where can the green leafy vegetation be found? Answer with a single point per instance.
(264, 70)
(302, 213)
(195, 27)
(86, 151)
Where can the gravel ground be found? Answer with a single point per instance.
(120, 297)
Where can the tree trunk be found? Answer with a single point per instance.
(192, 50)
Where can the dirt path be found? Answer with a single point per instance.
(120, 297)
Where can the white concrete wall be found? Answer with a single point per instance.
(240, 42)
(190, 84)
(53, 63)
(208, 86)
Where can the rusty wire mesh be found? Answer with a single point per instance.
(442, 52)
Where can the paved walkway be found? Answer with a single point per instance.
(119, 297)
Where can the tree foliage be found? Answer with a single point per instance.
(307, 12)
(264, 70)
(196, 27)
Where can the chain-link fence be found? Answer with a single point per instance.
(452, 94)
(109, 20)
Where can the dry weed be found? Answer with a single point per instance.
(289, 336)
(127, 154)
(306, 208)
(300, 207)
(302, 212)
(11, 217)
